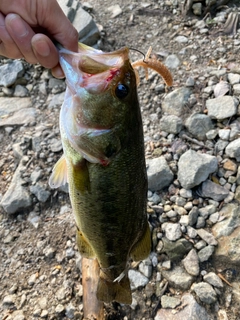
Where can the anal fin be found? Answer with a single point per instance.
(109, 291)
(83, 246)
(142, 248)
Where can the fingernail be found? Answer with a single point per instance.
(18, 26)
(57, 72)
(42, 48)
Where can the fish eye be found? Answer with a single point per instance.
(121, 91)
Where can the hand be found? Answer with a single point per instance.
(27, 28)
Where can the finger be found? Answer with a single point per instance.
(8, 48)
(45, 51)
(60, 28)
(57, 72)
(21, 33)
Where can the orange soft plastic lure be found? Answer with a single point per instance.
(153, 63)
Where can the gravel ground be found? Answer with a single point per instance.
(192, 150)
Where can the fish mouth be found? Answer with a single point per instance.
(93, 69)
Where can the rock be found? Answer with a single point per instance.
(191, 263)
(87, 29)
(231, 213)
(222, 107)
(56, 145)
(17, 196)
(61, 293)
(207, 237)
(17, 315)
(115, 10)
(193, 216)
(40, 192)
(205, 292)
(233, 78)
(82, 21)
(191, 311)
(36, 175)
(34, 219)
(207, 210)
(230, 165)
(197, 9)
(228, 234)
(159, 174)
(171, 124)
(213, 279)
(9, 300)
(49, 252)
(178, 278)
(181, 39)
(175, 101)
(21, 117)
(200, 222)
(70, 310)
(176, 250)
(198, 125)
(42, 302)
(172, 231)
(145, 267)
(56, 100)
(194, 168)
(137, 280)
(224, 134)
(205, 253)
(214, 191)
(11, 105)
(59, 309)
(32, 279)
(20, 91)
(233, 149)
(170, 302)
(10, 72)
(172, 61)
(211, 134)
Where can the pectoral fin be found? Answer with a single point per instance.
(142, 248)
(59, 174)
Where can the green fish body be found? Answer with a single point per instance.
(104, 164)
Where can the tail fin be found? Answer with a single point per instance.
(109, 291)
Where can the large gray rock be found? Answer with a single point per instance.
(222, 107)
(81, 20)
(175, 101)
(178, 278)
(9, 72)
(205, 292)
(21, 117)
(39, 190)
(171, 124)
(17, 197)
(191, 311)
(227, 232)
(231, 213)
(137, 279)
(191, 263)
(194, 168)
(233, 149)
(159, 174)
(198, 125)
(209, 189)
(11, 105)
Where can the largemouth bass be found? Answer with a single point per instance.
(104, 164)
